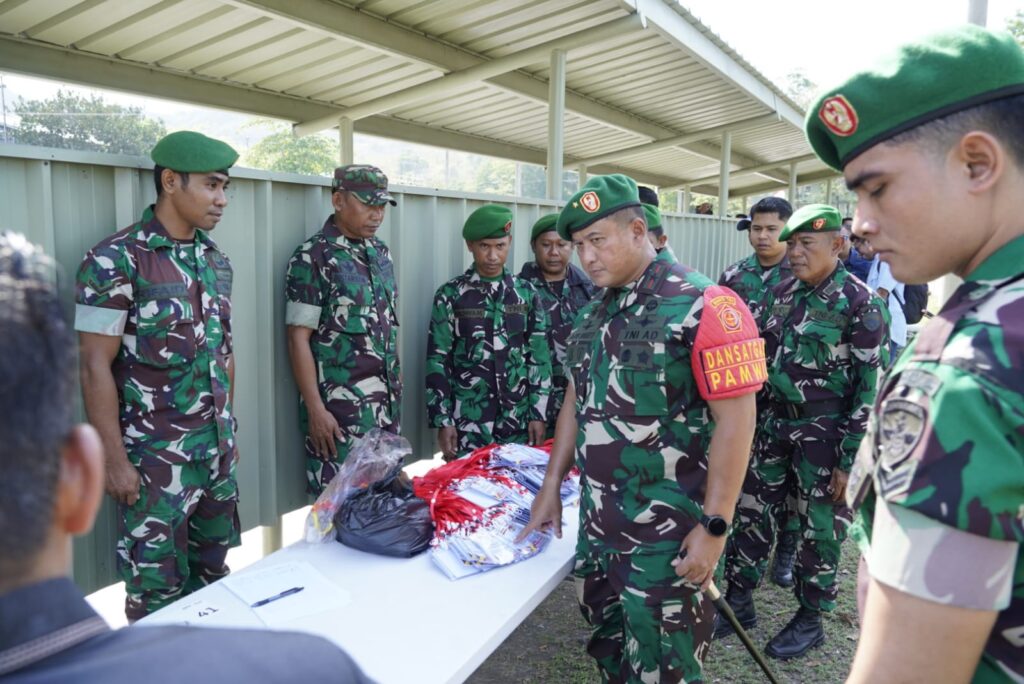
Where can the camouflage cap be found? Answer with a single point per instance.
(814, 218)
(191, 152)
(939, 75)
(488, 222)
(366, 182)
(653, 217)
(601, 196)
(544, 224)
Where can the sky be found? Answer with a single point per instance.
(829, 40)
(825, 40)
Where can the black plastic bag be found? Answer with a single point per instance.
(386, 518)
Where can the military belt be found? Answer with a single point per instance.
(812, 409)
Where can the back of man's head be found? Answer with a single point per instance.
(647, 195)
(36, 366)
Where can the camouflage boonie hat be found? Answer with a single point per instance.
(366, 182)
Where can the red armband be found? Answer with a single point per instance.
(728, 356)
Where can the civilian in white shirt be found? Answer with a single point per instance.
(891, 291)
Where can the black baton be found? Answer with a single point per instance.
(725, 610)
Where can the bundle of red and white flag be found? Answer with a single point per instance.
(481, 503)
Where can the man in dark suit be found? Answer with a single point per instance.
(51, 472)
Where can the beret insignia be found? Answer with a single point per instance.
(839, 116)
(590, 202)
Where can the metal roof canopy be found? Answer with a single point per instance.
(646, 88)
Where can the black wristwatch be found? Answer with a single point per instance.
(715, 525)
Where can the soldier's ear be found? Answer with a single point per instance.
(80, 482)
(169, 180)
(338, 200)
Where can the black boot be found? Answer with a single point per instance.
(785, 554)
(803, 633)
(742, 603)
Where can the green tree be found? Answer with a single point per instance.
(496, 176)
(90, 123)
(1015, 25)
(800, 88)
(312, 155)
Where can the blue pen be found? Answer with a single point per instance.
(270, 599)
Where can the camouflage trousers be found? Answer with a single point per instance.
(647, 624)
(355, 419)
(174, 540)
(470, 440)
(801, 471)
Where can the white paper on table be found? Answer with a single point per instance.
(193, 610)
(318, 593)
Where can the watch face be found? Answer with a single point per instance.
(716, 525)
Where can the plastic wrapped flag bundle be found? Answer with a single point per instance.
(481, 503)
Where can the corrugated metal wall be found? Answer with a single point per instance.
(67, 201)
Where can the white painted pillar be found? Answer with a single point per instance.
(792, 184)
(556, 123)
(687, 198)
(346, 141)
(977, 12)
(828, 191)
(680, 201)
(725, 166)
(582, 170)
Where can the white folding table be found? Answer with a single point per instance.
(406, 621)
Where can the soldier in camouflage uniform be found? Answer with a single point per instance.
(154, 320)
(824, 331)
(488, 363)
(563, 289)
(753, 278)
(938, 168)
(653, 361)
(342, 318)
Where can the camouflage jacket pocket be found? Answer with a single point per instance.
(165, 332)
(352, 319)
(635, 392)
(826, 346)
(472, 334)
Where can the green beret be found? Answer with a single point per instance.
(600, 197)
(939, 75)
(814, 218)
(191, 152)
(653, 217)
(543, 225)
(489, 221)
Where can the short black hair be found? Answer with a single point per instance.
(36, 384)
(1001, 118)
(648, 196)
(772, 205)
(157, 170)
(625, 216)
(847, 218)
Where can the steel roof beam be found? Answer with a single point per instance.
(482, 71)
(27, 57)
(680, 140)
(761, 169)
(340, 22)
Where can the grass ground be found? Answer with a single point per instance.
(549, 647)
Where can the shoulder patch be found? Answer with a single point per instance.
(873, 319)
(901, 425)
(728, 358)
(921, 379)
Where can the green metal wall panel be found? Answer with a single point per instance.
(68, 201)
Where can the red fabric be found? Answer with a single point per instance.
(728, 355)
